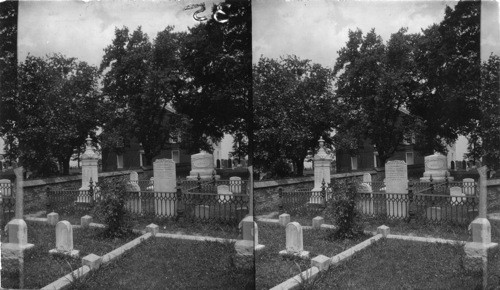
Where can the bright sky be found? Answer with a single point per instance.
(317, 29)
(83, 29)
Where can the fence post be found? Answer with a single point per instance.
(91, 192)
(412, 211)
(446, 181)
(432, 184)
(199, 182)
(213, 177)
(323, 192)
(180, 202)
(280, 196)
(48, 204)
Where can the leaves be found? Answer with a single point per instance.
(293, 108)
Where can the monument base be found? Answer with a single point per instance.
(14, 251)
(203, 177)
(316, 196)
(476, 255)
(302, 255)
(72, 253)
(436, 178)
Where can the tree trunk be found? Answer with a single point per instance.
(64, 163)
(299, 165)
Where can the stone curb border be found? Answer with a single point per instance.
(323, 226)
(83, 271)
(426, 240)
(312, 272)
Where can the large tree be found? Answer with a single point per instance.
(57, 105)
(8, 63)
(141, 79)
(217, 57)
(447, 56)
(374, 82)
(293, 109)
(485, 137)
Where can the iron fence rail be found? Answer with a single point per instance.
(186, 202)
(430, 207)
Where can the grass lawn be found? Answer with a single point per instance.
(161, 263)
(396, 264)
(182, 226)
(41, 268)
(272, 269)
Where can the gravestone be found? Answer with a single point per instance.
(224, 195)
(469, 186)
(235, 184)
(294, 241)
(134, 177)
(250, 232)
(365, 202)
(477, 251)
(367, 178)
(457, 196)
(17, 228)
(202, 164)
(5, 187)
(322, 164)
(164, 187)
(134, 203)
(89, 168)
(436, 165)
(64, 240)
(396, 183)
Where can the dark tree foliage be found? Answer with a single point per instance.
(485, 137)
(57, 105)
(293, 109)
(447, 56)
(8, 61)
(140, 81)
(374, 83)
(217, 58)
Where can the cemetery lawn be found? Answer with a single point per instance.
(41, 268)
(163, 263)
(182, 226)
(397, 264)
(273, 269)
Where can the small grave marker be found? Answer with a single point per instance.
(294, 241)
(64, 240)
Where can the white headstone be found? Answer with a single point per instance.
(134, 177)
(223, 193)
(202, 164)
(396, 181)
(457, 195)
(294, 238)
(164, 175)
(235, 184)
(437, 166)
(322, 164)
(5, 187)
(164, 186)
(367, 177)
(247, 228)
(396, 177)
(469, 186)
(64, 236)
(89, 169)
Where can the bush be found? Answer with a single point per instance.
(110, 206)
(343, 210)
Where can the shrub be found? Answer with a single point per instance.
(343, 210)
(110, 206)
